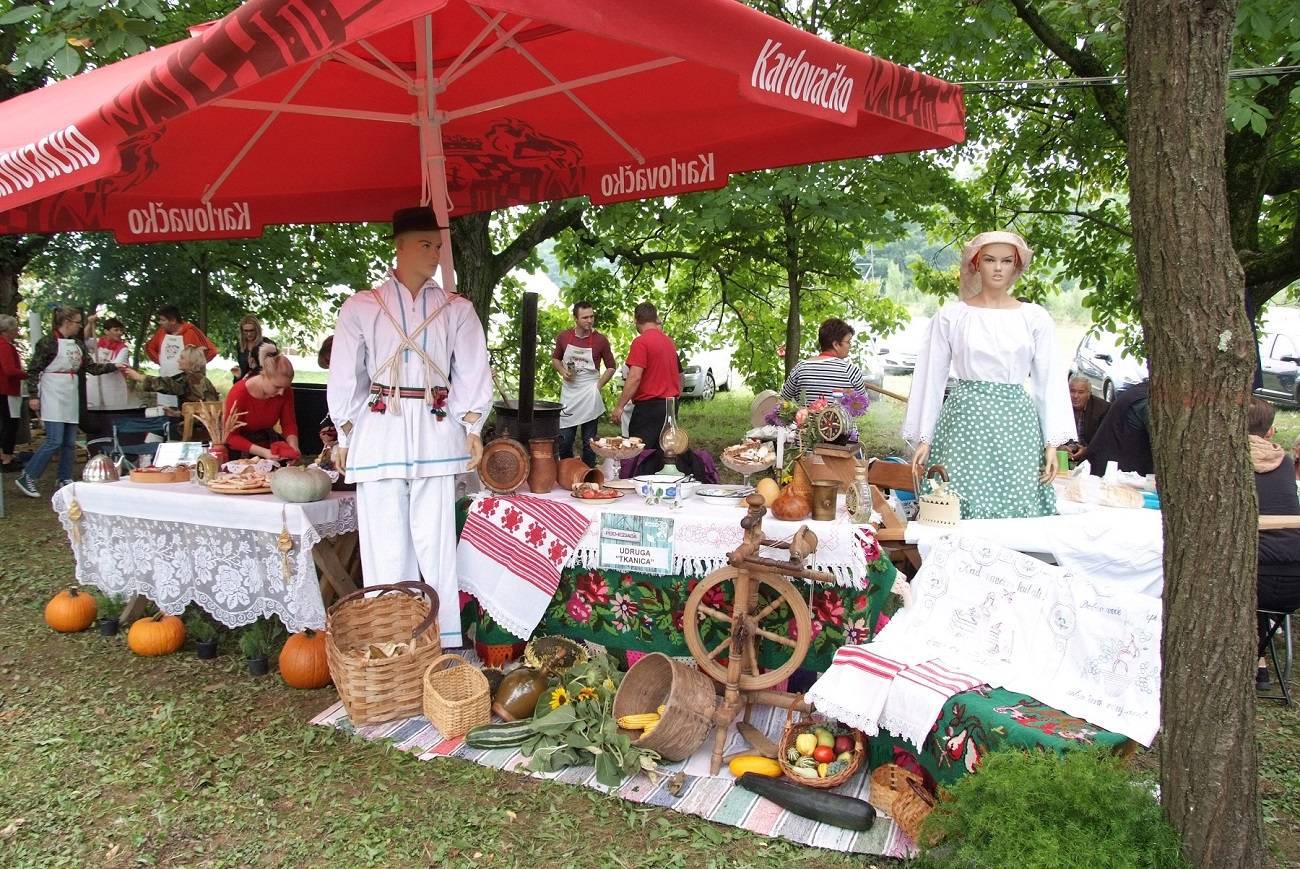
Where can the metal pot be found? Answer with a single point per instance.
(100, 469)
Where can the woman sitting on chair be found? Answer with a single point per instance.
(266, 400)
(1279, 550)
(189, 384)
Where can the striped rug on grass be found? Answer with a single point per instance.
(715, 798)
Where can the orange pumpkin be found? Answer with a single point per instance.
(160, 635)
(71, 610)
(302, 660)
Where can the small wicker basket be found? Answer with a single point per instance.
(687, 694)
(888, 781)
(911, 808)
(793, 729)
(382, 687)
(456, 696)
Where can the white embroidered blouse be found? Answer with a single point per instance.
(998, 345)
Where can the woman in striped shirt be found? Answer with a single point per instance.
(829, 371)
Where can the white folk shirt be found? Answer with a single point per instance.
(996, 345)
(59, 389)
(408, 442)
(108, 391)
(169, 363)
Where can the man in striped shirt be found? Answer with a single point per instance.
(828, 372)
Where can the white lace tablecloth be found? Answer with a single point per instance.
(178, 544)
(704, 534)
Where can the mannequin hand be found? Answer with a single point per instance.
(1049, 465)
(919, 458)
(475, 444)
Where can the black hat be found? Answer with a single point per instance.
(418, 219)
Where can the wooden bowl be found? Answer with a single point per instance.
(504, 466)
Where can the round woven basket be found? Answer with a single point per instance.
(687, 694)
(888, 781)
(793, 729)
(456, 696)
(376, 686)
(911, 807)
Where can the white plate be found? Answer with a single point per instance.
(732, 492)
(629, 485)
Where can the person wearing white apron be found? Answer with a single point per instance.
(57, 364)
(409, 390)
(107, 395)
(174, 335)
(579, 353)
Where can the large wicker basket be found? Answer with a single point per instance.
(793, 729)
(456, 696)
(687, 694)
(375, 681)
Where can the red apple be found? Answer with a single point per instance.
(823, 754)
(843, 743)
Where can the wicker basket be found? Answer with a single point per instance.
(456, 696)
(381, 687)
(687, 694)
(793, 729)
(888, 781)
(911, 808)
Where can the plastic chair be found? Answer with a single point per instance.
(1279, 621)
(127, 426)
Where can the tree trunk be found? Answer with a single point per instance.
(476, 277)
(9, 297)
(204, 283)
(793, 288)
(1202, 355)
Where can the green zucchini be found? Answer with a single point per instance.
(510, 735)
(835, 809)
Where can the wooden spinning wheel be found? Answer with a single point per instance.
(831, 424)
(763, 595)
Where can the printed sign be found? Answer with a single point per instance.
(640, 543)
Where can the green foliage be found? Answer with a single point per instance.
(581, 729)
(108, 606)
(261, 638)
(1038, 809)
(200, 628)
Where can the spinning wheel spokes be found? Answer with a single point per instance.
(767, 593)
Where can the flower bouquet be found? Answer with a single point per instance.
(828, 420)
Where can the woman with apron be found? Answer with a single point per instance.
(58, 361)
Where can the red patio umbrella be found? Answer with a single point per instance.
(320, 111)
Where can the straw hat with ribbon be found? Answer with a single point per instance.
(970, 283)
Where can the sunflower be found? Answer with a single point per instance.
(559, 697)
(608, 684)
(588, 693)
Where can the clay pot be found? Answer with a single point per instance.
(574, 471)
(519, 693)
(791, 505)
(541, 464)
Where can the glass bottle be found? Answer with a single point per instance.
(858, 499)
(670, 437)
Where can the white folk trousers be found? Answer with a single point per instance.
(408, 532)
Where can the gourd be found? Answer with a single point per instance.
(517, 696)
(791, 506)
(756, 764)
(160, 635)
(302, 661)
(490, 736)
(847, 813)
(300, 485)
(70, 610)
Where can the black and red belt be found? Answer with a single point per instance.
(379, 392)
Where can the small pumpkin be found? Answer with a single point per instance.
(299, 485)
(791, 506)
(159, 635)
(302, 661)
(71, 610)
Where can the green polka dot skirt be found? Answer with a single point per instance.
(989, 441)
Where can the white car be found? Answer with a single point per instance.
(897, 351)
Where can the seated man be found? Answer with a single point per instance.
(1279, 551)
(1089, 411)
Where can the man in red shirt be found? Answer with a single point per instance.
(653, 375)
(579, 354)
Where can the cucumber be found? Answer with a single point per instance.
(511, 735)
(837, 810)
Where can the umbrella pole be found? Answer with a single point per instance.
(432, 156)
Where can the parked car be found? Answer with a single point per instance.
(1107, 364)
(705, 373)
(1279, 363)
(897, 351)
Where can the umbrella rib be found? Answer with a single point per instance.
(490, 51)
(383, 58)
(212, 188)
(577, 101)
(369, 69)
(319, 111)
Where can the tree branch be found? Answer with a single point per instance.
(1283, 179)
(558, 216)
(1086, 215)
(1269, 271)
(1082, 63)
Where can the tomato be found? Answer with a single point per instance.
(588, 494)
(823, 754)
